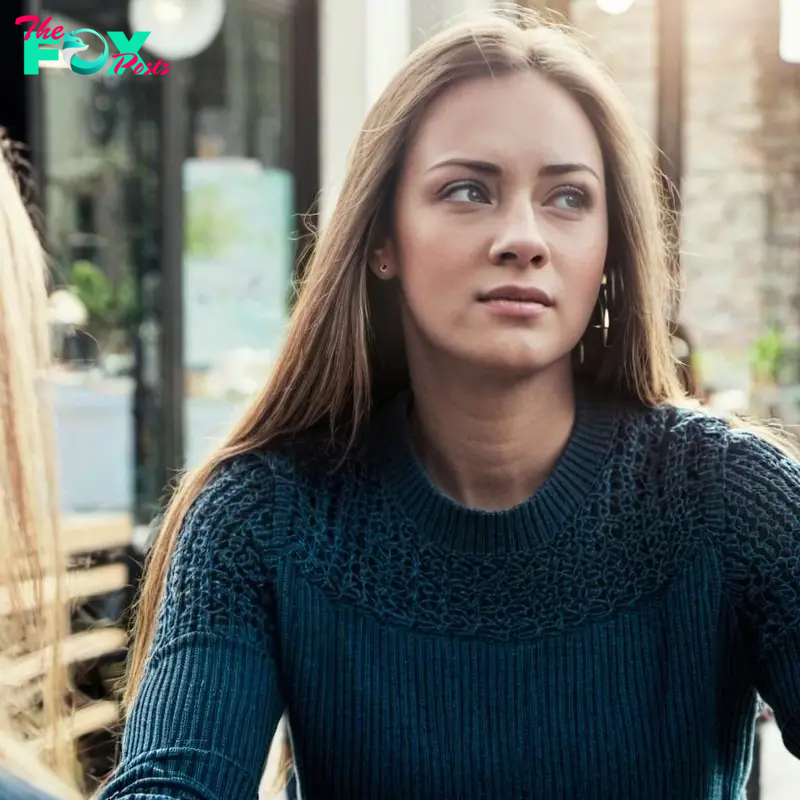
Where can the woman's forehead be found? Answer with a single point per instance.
(521, 116)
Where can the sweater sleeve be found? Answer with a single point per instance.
(762, 498)
(209, 702)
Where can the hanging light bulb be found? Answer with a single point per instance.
(169, 11)
(789, 44)
(178, 28)
(614, 6)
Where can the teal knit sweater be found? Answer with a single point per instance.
(604, 639)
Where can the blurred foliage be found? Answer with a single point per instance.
(774, 360)
(111, 308)
(211, 227)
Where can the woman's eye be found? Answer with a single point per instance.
(572, 199)
(466, 193)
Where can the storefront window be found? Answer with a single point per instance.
(103, 186)
(101, 196)
(239, 207)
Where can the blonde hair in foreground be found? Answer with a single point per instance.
(33, 744)
(342, 351)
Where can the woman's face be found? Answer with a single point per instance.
(500, 227)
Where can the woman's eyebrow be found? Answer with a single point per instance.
(489, 168)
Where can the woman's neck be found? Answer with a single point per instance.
(491, 445)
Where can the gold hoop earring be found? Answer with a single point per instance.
(604, 317)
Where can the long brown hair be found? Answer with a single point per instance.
(340, 354)
(32, 620)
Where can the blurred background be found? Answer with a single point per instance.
(173, 207)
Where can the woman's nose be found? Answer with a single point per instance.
(520, 240)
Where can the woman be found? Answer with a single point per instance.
(467, 538)
(28, 518)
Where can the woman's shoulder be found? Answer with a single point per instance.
(238, 487)
(708, 447)
(690, 423)
(684, 427)
(314, 460)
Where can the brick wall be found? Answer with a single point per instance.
(741, 186)
(779, 142)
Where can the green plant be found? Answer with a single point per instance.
(126, 303)
(93, 287)
(211, 227)
(768, 356)
(110, 307)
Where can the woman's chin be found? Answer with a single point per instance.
(512, 358)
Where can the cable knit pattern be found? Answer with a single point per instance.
(228, 577)
(761, 551)
(603, 639)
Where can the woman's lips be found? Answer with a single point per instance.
(516, 301)
(515, 308)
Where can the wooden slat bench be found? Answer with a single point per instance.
(94, 547)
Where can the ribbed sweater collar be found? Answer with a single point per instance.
(533, 522)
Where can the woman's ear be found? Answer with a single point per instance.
(382, 262)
